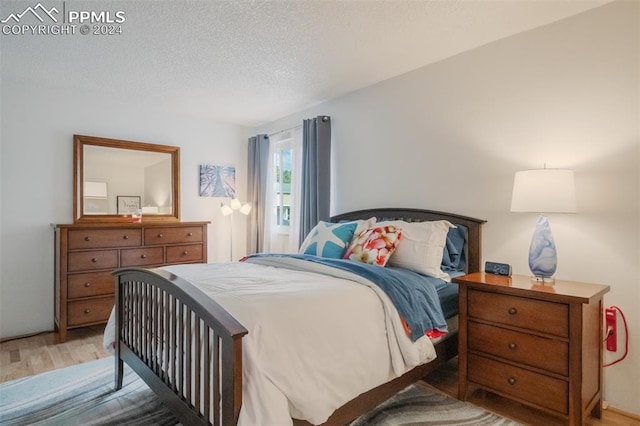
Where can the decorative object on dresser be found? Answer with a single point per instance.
(87, 255)
(538, 345)
(543, 191)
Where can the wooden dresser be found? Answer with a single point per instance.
(538, 345)
(86, 255)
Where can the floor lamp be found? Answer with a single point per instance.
(227, 210)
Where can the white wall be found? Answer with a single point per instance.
(450, 137)
(157, 186)
(36, 166)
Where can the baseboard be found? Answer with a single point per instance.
(623, 413)
(24, 336)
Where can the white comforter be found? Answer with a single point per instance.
(315, 341)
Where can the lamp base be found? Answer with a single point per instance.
(543, 281)
(542, 251)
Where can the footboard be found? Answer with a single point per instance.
(185, 346)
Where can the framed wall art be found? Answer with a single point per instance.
(128, 204)
(217, 181)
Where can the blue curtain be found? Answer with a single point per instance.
(316, 173)
(258, 163)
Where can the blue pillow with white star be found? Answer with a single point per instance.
(330, 239)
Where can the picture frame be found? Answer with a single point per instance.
(217, 181)
(127, 204)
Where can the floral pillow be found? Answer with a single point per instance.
(374, 246)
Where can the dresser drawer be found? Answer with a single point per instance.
(537, 315)
(87, 285)
(184, 253)
(189, 234)
(101, 238)
(89, 311)
(544, 391)
(91, 260)
(142, 256)
(547, 354)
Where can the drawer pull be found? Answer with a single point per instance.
(190, 234)
(87, 238)
(87, 284)
(184, 253)
(160, 235)
(87, 311)
(143, 256)
(94, 260)
(511, 380)
(512, 346)
(126, 237)
(513, 311)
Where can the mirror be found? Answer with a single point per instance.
(116, 181)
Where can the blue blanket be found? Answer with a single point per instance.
(414, 295)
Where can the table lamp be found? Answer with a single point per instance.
(543, 191)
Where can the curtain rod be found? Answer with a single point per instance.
(285, 130)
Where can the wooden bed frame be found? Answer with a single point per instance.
(200, 379)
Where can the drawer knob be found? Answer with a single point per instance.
(126, 237)
(190, 234)
(143, 256)
(87, 238)
(94, 260)
(513, 311)
(160, 235)
(511, 380)
(87, 311)
(512, 346)
(87, 284)
(184, 253)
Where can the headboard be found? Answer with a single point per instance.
(474, 242)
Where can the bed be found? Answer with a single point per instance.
(193, 352)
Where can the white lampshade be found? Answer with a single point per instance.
(245, 209)
(544, 191)
(226, 210)
(235, 204)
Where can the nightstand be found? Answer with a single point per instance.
(538, 345)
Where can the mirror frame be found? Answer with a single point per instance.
(80, 141)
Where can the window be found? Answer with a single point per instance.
(282, 228)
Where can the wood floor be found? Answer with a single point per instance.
(40, 353)
(37, 354)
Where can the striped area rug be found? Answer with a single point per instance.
(83, 395)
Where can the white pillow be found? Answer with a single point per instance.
(421, 247)
(362, 225)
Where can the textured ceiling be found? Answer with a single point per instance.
(251, 62)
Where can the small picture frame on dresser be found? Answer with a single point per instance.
(128, 204)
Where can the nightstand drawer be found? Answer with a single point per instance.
(99, 238)
(184, 253)
(91, 260)
(520, 347)
(86, 285)
(519, 383)
(142, 256)
(192, 234)
(539, 315)
(90, 311)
